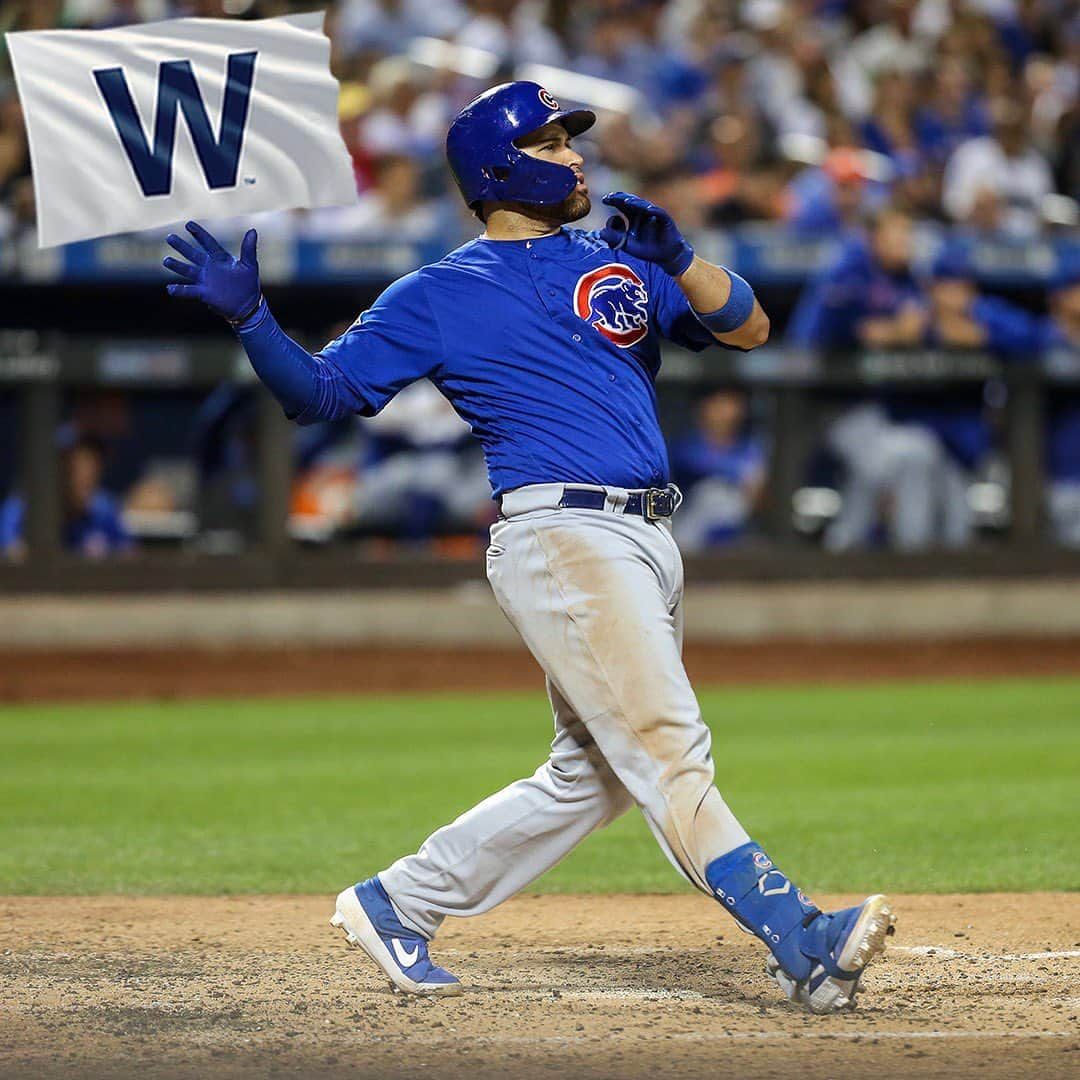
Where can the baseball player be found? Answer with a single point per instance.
(547, 341)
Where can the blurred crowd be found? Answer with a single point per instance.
(906, 460)
(811, 112)
(855, 121)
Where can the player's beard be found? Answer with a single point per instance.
(574, 207)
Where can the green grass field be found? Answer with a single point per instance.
(904, 787)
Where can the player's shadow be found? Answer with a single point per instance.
(647, 974)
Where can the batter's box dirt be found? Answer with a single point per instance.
(561, 986)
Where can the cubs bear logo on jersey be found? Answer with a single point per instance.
(615, 302)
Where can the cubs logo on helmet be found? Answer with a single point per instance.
(615, 302)
(547, 99)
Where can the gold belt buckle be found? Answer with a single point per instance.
(659, 502)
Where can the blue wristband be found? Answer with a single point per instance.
(252, 318)
(734, 313)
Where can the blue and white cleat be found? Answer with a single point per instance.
(817, 956)
(839, 945)
(367, 918)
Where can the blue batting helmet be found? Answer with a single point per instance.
(482, 151)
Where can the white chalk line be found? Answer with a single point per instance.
(951, 954)
(766, 1036)
(631, 995)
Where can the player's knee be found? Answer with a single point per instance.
(564, 772)
(915, 449)
(619, 801)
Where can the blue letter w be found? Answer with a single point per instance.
(219, 157)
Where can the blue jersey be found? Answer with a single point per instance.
(697, 458)
(1010, 331)
(98, 531)
(956, 415)
(851, 288)
(1063, 429)
(548, 348)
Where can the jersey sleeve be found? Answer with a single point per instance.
(831, 304)
(1008, 329)
(674, 318)
(394, 343)
(112, 520)
(11, 522)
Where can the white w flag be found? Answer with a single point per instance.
(148, 125)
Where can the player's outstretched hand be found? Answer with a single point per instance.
(226, 285)
(646, 231)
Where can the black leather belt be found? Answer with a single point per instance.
(651, 504)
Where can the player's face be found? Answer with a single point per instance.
(952, 295)
(552, 143)
(83, 475)
(892, 242)
(1065, 305)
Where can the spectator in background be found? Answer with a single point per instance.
(1065, 136)
(1053, 89)
(812, 113)
(1060, 334)
(224, 449)
(894, 40)
(960, 318)
(391, 210)
(776, 59)
(515, 32)
(380, 27)
(671, 78)
(737, 182)
(868, 295)
(729, 81)
(890, 129)
(91, 523)
(831, 200)
(623, 42)
(868, 298)
(890, 132)
(423, 473)
(998, 181)
(14, 165)
(613, 48)
(953, 112)
(404, 114)
(721, 470)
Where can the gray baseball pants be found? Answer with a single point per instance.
(597, 597)
(907, 463)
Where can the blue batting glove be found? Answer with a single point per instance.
(646, 231)
(226, 285)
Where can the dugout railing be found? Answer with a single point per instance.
(796, 389)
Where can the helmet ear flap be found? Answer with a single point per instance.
(497, 173)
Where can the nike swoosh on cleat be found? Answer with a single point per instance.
(404, 958)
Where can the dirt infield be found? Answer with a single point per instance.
(187, 673)
(627, 987)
